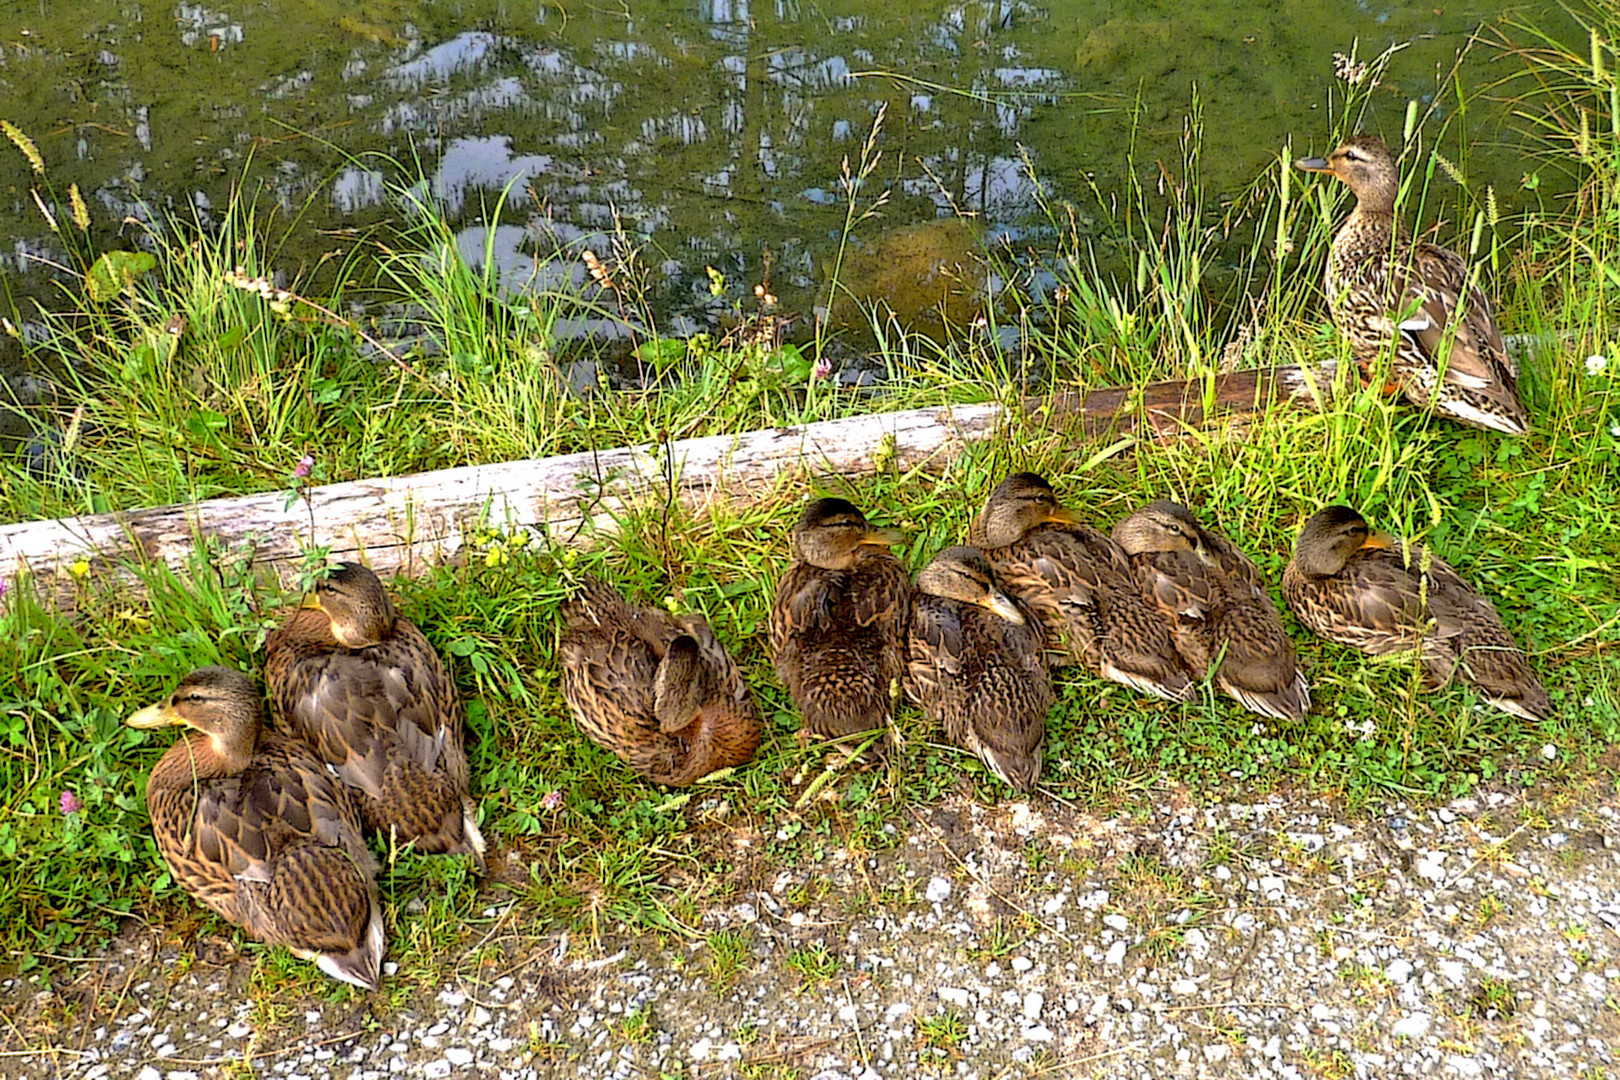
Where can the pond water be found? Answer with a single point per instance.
(700, 133)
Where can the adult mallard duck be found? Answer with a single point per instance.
(838, 623)
(1081, 584)
(251, 823)
(364, 687)
(976, 667)
(657, 690)
(1373, 593)
(1218, 609)
(1386, 289)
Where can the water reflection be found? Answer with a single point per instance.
(697, 134)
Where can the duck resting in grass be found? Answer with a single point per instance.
(976, 666)
(1216, 603)
(364, 688)
(838, 623)
(251, 823)
(659, 691)
(1372, 592)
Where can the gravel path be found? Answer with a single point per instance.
(1279, 938)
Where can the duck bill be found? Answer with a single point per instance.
(1062, 515)
(311, 602)
(883, 537)
(998, 603)
(1312, 164)
(153, 716)
(1379, 541)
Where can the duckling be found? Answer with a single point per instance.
(976, 666)
(252, 824)
(365, 689)
(1386, 288)
(1218, 608)
(1374, 593)
(1081, 584)
(838, 623)
(656, 690)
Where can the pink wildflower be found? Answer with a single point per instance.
(551, 800)
(305, 463)
(70, 803)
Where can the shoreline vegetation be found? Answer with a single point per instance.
(192, 368)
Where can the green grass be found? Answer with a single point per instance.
(233, 401)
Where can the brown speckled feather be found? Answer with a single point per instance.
(1387, 290)
(611, 653)
(1081, 584)
(387, 719)
(274, 846)
(1217, 607)
(975, 673)
(838, 637)
(1380, 596)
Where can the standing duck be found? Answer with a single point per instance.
(976, 666)
(1217, 606)
(252, 824)
(658, 691)
(1081, 584)
(364, 687)
(838, 623)
(1386, 288)
(1374, 593)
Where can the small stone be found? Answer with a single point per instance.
(1214, 1052)
(1273, 888)
(436, 1070)
(149, 1073)
(1033, 1004)
(701, 1049)
(954, 995)
(1412, 1027)
(1398, 972)
(1446, 816)
(1022, 964)
(939, 890)
(1184, 987)
(1432, 865)
(1117, 923)
(1116, 954)
(459, 1056)
(1465, 1066)
(1037, 1033)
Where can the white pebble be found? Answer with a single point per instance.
(954, 995)
(1038, 1033)
(1116, 954)
(1398, 972)
(1117, 922)
(1184, 987)
(459, 1056)
(1412, 1027)
(1033, 1004)
(939, 890)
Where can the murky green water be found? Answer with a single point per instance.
(702, 133)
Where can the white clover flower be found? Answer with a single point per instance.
(1549, 751)
(1596, 363)
(1614, 429)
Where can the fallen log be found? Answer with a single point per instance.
(402, 524)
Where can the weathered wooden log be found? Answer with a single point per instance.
(402, 524)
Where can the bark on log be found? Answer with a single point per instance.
(403, 524)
